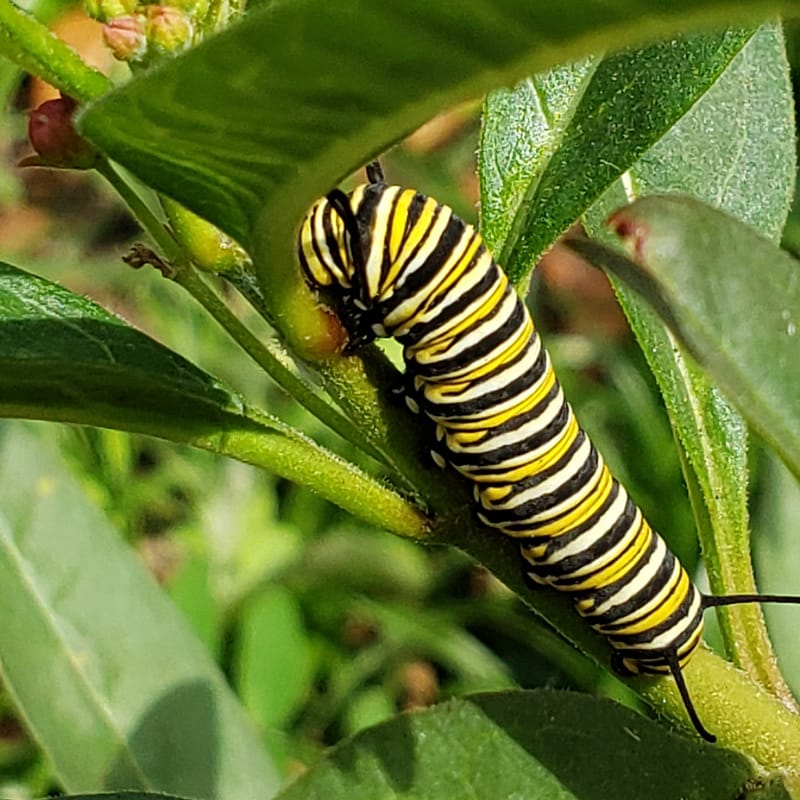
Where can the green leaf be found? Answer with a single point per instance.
(734, 298)
(64, 358)
(736, 148)
(59, 351)
(522, 128)
(191, 593)
(117, 690)
(592, 124)
(274, 663)
(538, 744)
(750, 111)
(249, 127)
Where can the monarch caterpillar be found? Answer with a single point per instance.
(401, 265)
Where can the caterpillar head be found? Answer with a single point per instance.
(323, 249)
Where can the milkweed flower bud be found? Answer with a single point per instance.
(125, 38)
(105, 10)
(52, 133)
(167, 28)
(210, 249)
(196, 9)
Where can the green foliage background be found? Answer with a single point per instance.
(299, 627)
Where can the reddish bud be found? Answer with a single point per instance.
(53, 136)
(125, 38)
(168, 29)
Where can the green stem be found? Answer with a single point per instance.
(301, 460)
(360, 385)
(34, 48)
(271, 362)
(743, 715)
(244, 434)
(170, 248)
(187, 277)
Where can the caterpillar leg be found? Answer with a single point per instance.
(401, 396)
(404, 393)
(526, 567)
(619, 666)
(359, 329)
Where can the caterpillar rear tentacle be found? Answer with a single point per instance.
(401, 265)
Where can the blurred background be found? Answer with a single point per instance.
(322, 625)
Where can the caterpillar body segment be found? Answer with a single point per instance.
(399, 264)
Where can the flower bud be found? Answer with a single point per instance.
(105, 10)
(167, 28)
(53, 136)
(210, 249)
(125, 38)
(196, 9)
